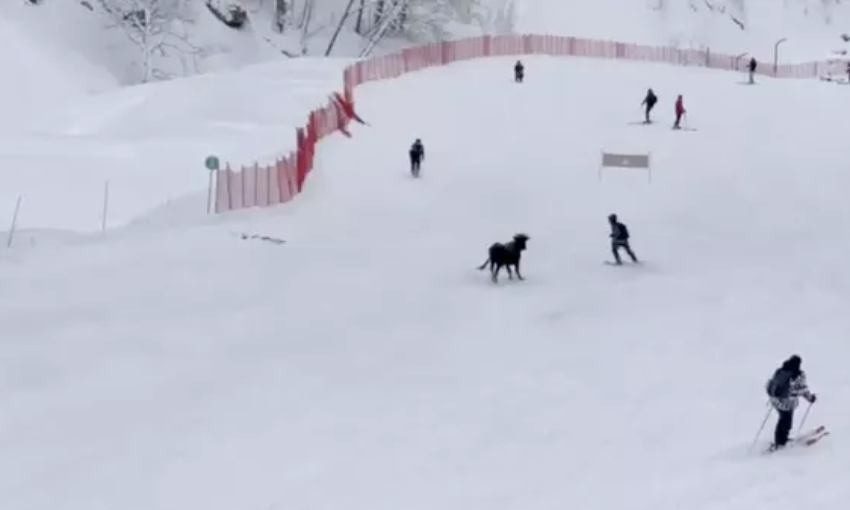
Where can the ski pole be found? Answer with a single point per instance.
(803, 421)
(763, 423)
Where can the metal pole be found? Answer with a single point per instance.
(105, 206)
(14, 224)
(776, 55)
(763, 423)
(803, 421)
(210, 192)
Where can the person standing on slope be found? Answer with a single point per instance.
(680, 110)
(752, 68)
(519, 71)
(417, 154)
(784, 389)
(649, 102)
(619, 239)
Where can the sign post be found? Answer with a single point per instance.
(213, 166)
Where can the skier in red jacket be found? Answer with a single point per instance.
(680, 110)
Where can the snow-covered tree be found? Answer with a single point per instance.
(428, 20)
(159, 29)
(421, 21)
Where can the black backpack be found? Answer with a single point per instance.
(779, 385)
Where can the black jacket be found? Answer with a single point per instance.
(619, 232)
(417, 150)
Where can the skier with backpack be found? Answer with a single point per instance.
(752, 68)
(649, 103)
(784, 389)
(620, 239)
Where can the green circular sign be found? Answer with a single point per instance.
(212, 163)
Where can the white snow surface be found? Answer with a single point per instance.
(366, 364)
(811, 29)
(150, 142)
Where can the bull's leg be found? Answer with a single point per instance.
(518, 274)
(510, 272)
(495, 272)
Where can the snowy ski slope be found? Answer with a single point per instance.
(366, 364)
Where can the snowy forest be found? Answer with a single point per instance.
(738, 11)
(162, 39)
(138, 41)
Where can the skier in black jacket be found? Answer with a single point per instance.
(751, 67)
(649, 102)
(619, 239)
(417, 154)
(519, 71)
(785, 388)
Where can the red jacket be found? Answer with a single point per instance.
(680, 108)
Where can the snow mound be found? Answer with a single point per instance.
(39, 77)
(149, 142)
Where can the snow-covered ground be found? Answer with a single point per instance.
(150, 142)
(812, 28)
(367, 364)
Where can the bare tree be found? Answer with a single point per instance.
(339, 27)
(358, 27)
(280, 12)
(158, 29)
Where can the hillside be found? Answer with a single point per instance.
(365, 364)
(178, 360)
(82, 32)
(199, 42)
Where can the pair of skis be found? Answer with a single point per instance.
(805, 439)
(674, 128)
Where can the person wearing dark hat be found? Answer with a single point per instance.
(785, 388)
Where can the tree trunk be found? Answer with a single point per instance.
(380, 5)
(339, 27)
(358, 26)
(279, 15)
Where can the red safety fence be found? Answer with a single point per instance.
(262, 186)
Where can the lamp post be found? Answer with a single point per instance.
(776, 56)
